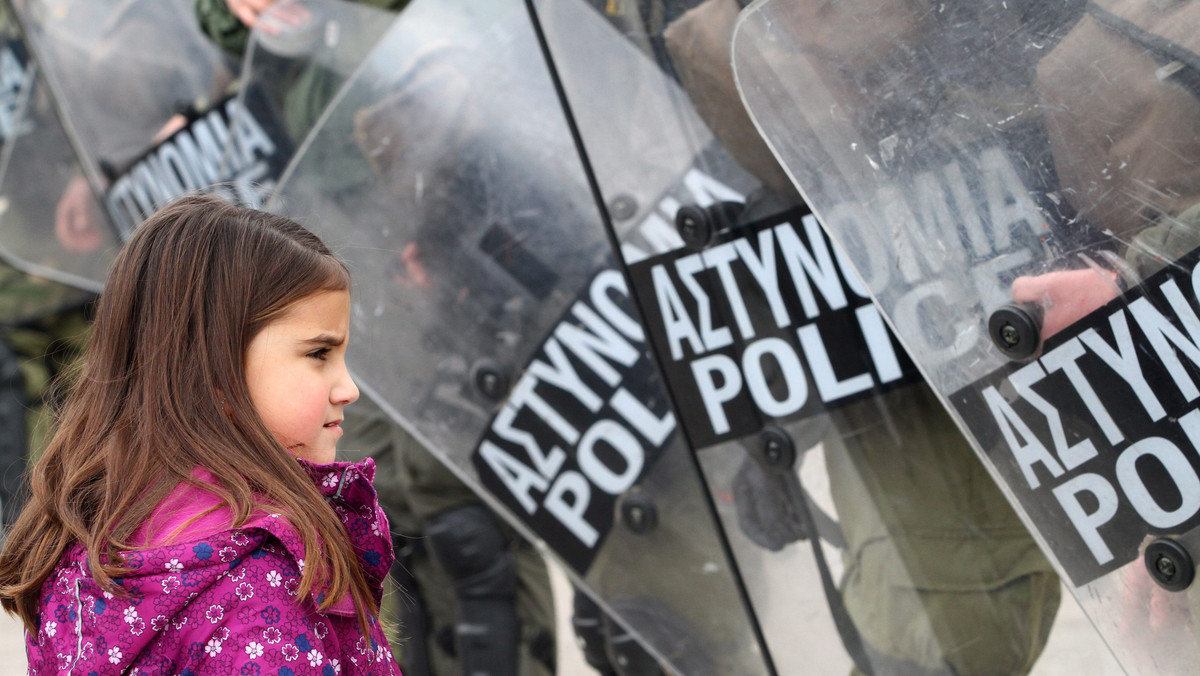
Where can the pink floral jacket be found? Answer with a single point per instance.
(223, 603)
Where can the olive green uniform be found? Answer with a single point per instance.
(43, 328)
(46, 344)
(940, 574)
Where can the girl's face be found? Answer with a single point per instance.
(296, 373)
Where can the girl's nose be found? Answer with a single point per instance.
(345, 391)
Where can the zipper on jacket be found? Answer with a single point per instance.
(78, 628)
(342, 482)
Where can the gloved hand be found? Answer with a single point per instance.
(249, 11)
(765, 511)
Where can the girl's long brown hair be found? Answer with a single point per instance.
(163, 390)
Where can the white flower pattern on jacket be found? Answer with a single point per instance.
(223, 604)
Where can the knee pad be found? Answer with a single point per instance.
(588, 623)
(470, 545)
(607, 646)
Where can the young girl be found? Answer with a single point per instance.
(187, 517)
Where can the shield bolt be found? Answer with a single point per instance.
(490, 381)
(689, 224)
(623, 207)
(1016, 330)
(694, 227)
(638, 512)
(777, 450)
(1166, 567)
(1010, 335)
(637, 516)
(1169, 564)
(774, 451)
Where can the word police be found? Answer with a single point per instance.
(589, 416)
(226, 150)
(586, 391)
(1104, 427)
(772, 323)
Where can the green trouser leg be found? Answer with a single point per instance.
(34, 352)
(941, 576)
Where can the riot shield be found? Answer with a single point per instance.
(297, 40)
(297, 60)
(490, 320)
(867, 532)
(128, 78)
(1015, 185)
(37, 163)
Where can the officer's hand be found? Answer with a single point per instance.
(410, 269)
(1066, 296)
(75, 217)
(249, 11)
(174, 124)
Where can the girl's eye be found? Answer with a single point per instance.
(321, 353)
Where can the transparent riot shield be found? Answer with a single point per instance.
(298, 40)
(297, 60)
(128, 78)
(37, 163)
(491, 320)
(1015, 184)
(153, 109)
(867, 532)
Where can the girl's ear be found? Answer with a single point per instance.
(225, 405)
